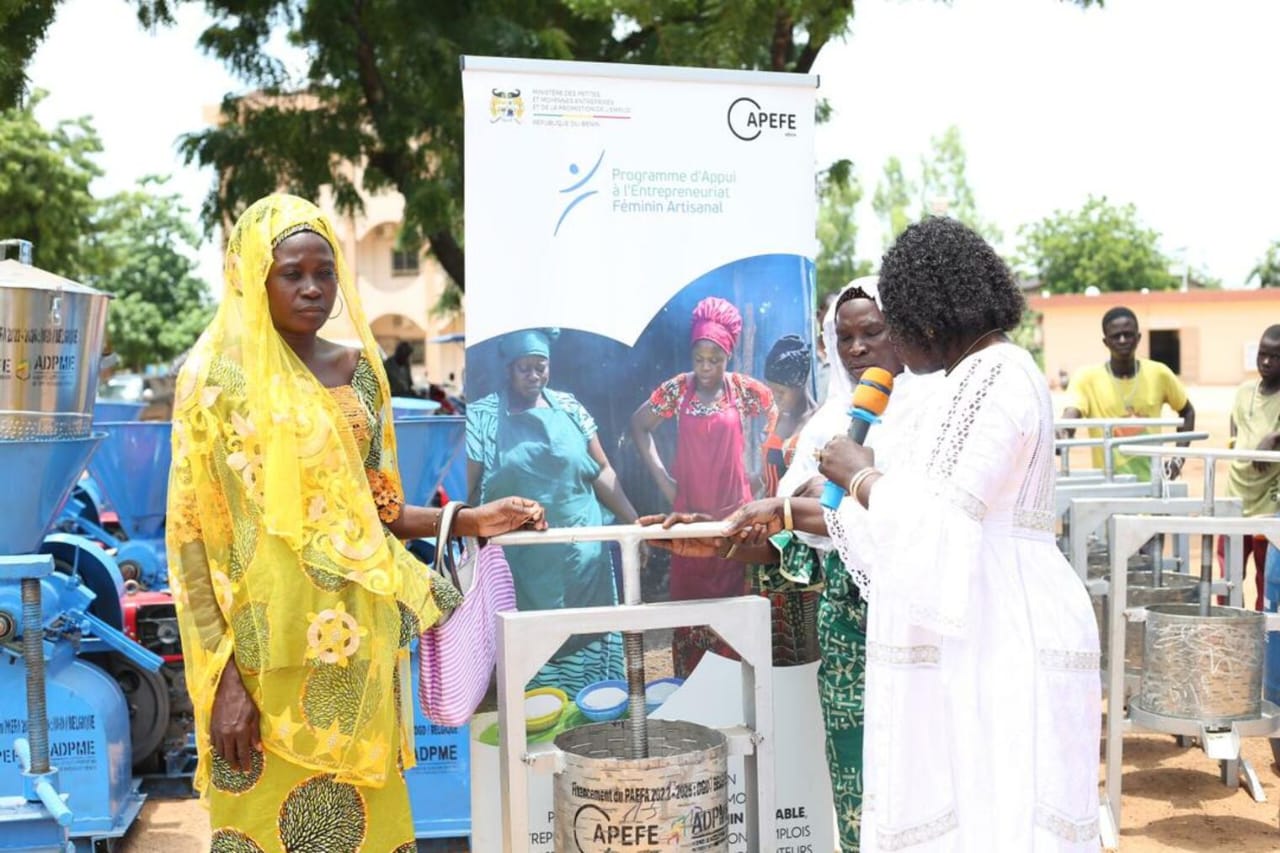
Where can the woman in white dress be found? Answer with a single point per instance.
(857, 338)
(982, 695)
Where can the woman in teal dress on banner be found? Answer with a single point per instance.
(530, 440)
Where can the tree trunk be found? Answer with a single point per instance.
(451, 256)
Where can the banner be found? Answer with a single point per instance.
(639, 338)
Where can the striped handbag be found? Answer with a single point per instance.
(456, 657)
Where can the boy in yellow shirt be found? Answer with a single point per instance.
(1124, 387)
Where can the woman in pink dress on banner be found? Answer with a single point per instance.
(713, 409)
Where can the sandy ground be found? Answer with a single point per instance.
(1173, 797)
(1173, 801)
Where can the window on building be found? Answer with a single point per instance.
(404, 263)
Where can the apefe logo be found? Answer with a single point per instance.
(747, 120)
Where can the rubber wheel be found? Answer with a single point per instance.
(147, 696)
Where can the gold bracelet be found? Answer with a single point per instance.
(729, 554)
(866, 481)
(787, 520)
(858, 479)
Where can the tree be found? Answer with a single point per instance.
(944, 186)
(1101, 245)
(1030, 335)
(942, 190)
(892, 200)
(160, 306)
(837, 263)
(388, 97)
(1267, 270)
(44, 183)
(23, 24)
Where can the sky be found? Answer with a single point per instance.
(1161, 103)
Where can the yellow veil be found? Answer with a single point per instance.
(277, 553)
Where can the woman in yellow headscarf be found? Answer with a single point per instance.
(295, 598)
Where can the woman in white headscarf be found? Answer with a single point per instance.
(803, 557)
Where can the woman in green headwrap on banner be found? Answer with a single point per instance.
(530, 440)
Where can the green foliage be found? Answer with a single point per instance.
(941, 189)
(449, 302)
(23, 24)
(764, 34)
(837, 232)
(387, 95)
(44, 184)
(944, 184)
(892, 200)
(160, 306)
(136, 245)
(1267, 270)
(1029, 336)
(1101, 245)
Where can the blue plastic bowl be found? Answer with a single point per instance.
(651, 705)
(601, 715)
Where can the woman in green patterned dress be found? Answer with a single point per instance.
(802, 556)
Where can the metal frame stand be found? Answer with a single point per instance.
(1123, 486)
(1127, 535)
(527, 640)
(1086, 515)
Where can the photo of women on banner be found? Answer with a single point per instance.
(714, 410)
(529, 438)
(705, 437)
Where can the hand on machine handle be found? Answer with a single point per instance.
(501, 516)
(682, 547)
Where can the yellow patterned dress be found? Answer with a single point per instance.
(283, 805)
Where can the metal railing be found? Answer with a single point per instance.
(1108, 439)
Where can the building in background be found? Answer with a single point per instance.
(1207, 337)
(398, 289)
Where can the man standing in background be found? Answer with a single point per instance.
(399, 378)
(1125, 387)
(1255, 425)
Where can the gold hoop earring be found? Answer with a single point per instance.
(336, 313)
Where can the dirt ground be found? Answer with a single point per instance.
(1173, 801)
(1173, 798)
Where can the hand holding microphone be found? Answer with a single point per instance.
(870, 399)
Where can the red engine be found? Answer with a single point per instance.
(150, 619)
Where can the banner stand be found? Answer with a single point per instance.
(640, 338)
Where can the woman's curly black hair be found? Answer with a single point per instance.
(941, 284)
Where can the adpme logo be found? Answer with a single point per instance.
(579, 190)
(506, 105)
(747, 120)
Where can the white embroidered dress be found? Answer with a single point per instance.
(983, 699)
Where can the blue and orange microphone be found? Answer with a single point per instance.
(870, 399)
